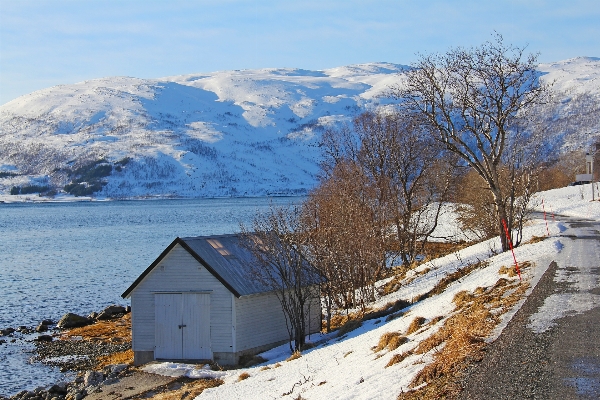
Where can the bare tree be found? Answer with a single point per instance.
(412, 173)
(345, 238)
(275, 241)
(475, 99)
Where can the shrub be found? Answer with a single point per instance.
(34, 189)
(81, 189)
(123, 162)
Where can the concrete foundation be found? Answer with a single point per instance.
(142, 357)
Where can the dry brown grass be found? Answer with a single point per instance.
(398, 358)
(415, 325)
(188, 390)
(122, 357)
(113, 330)
(349, 326)
(296, 355)
(462, 337)
(390, 341)
(449, 279)
(243, 375)
(432, 250)
(510, 271)
(339, 320)
(536, 239)
(250, 360)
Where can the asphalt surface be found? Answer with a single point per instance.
(539, 357)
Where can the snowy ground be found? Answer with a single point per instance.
(348, 368)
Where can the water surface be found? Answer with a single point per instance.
(80, 257)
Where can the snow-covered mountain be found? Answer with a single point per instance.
(228, 133)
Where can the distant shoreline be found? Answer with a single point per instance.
(20, 199)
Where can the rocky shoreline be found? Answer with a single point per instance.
(56, 345)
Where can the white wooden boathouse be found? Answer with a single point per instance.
(197, 302)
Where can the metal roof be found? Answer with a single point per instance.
(222, 256)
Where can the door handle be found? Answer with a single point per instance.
(182, 326)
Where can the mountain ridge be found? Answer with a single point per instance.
(224, 133)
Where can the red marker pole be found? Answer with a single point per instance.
(511, 248)
(545, 220)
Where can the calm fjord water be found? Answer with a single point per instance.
(79, 257)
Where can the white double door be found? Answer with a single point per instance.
(182, 326)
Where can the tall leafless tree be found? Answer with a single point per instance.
(275, 242)
(345, 237)
(412, 173)
(476, 99)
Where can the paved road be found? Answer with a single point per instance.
(551, 347)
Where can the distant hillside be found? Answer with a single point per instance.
(229, 133)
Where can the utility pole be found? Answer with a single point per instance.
(589, 161)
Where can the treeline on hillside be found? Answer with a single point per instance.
(466, 129)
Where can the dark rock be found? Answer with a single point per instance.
(47, 322)
(43, 338)
(127, 309)
(93, 378)
(59, 388)
(2, 341)
(23, 329)
(93, 315)
(111, 312)
(41, 328)
(6, 332)
(117, 368)
(71, 320)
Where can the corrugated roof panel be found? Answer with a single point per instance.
(229, 260)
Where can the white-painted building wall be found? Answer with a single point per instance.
(178, 271)
(238, 325)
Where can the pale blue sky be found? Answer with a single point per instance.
(49, 42)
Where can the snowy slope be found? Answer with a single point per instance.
(348, 368)
(227, 133)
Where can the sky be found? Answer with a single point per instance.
(45, 43)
